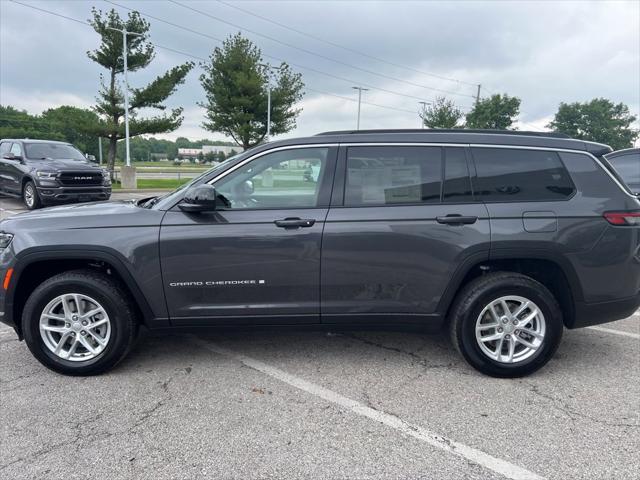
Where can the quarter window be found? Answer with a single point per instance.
(278, 180)
(388, 175)
(16, 149)
(515, 175)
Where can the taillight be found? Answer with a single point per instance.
(623, 218)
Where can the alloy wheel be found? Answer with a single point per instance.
(510, 329)
(29, 196)
(75, 327)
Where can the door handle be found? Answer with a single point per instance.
(456, 219)
(292, 223)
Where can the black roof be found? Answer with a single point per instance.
(33, 140)
(452, 130)
(624, 151)
(461, 136)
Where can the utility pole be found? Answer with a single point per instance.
(360, 90)
(421, 114)
(478, 94)
(100, 149)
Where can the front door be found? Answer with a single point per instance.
(394, 239)
(257, 261)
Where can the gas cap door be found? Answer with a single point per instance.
(540, 222)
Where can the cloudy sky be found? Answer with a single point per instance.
(544, 52)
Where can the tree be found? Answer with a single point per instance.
(71, 122)
(498, 112)
(441, 114)
(140, 53)
(599, 120)
(16, 123)
(235, 82)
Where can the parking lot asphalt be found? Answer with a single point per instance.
(304, 404)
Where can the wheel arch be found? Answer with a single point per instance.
(33, 268)
(553, 271)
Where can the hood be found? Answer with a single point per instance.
(83, 216)
(64, 164)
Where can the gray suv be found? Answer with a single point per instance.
(46, 172)
(503, 238)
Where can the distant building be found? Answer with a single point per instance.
(227, 150)
(189, 152)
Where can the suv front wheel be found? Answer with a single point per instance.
(30, 196)
(79, 323)
(506, 324)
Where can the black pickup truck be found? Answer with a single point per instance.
(45, 172)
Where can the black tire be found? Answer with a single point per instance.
(111, 296)
(479, 293)
(30, 196)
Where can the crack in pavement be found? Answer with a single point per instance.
(565, 408)
(418, 359)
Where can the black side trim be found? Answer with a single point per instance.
(588, 314)
(75, 252)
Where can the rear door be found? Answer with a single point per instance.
(396, 233)
(257, 261)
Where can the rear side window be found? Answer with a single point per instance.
(518, 175)
(389, 175)
(457, 184)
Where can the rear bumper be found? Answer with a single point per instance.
(588, 314)
(49, 195)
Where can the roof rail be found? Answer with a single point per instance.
(455, 130)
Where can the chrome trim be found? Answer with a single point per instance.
(265, 152)
(425, 144)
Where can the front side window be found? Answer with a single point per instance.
(278, 180)
(389, 175)
(519, 175)
(5, 147)
(54, 151)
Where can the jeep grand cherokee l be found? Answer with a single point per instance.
(44, 172)
(504, 238)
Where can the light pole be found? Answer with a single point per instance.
(126, 89)
(360, 90)
(126, 98)
(268, 67)
(421, 114)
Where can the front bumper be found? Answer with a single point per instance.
(588, 314)
(59, 194)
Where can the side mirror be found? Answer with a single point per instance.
(11, 156)
(199, 198)
(91, 158)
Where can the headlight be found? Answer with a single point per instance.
(47, 174)
(5, 240)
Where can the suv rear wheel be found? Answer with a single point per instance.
(30, 196)
(506, 324)
(79, 323)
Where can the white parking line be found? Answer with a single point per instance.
(483, 459)
(616, 332)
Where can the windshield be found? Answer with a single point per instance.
(54, 151)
